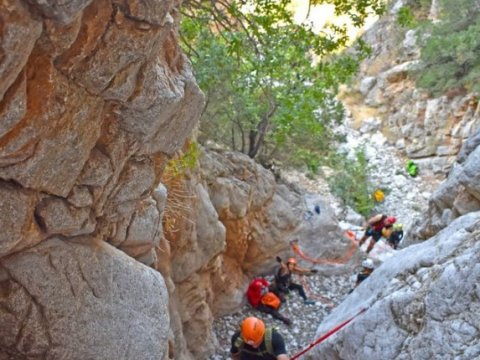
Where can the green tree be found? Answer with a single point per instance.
(451, 54)
(351, 183)
(266, 77)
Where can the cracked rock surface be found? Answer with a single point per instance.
(423, 303)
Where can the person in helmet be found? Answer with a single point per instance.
(256, 291)
(396, 236)
(256, 342)
(283, 280)
(367, 269)
(375, 225)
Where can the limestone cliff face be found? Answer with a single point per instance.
(99, 259)
(441, 134)
(227, 224)
(423, 303)
(458, 195)
(427, 129)
(94, 97)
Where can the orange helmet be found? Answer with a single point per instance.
(252, 330)
(292, 261)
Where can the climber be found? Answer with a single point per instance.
(367, 269)
(283, 280)
(396, 236)
(262, 299)
(255, 342)
(374, 229)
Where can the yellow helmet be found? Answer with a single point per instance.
(379, 195)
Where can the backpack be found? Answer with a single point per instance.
(271, 300)
(255, 290)
(239, 344)
(412, 168)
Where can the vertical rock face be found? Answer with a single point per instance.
(430, 130)
(224, 223)
(81, 299)
(458, 195)
(94, 97)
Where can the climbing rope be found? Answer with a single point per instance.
(348, 254)
(328, 334)
(312, 295)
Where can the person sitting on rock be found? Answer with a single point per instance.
(367, 269)
(374, 229)
(256, 342)
(262, 299)
(283, 280)
(396, 236)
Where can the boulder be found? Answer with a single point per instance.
(423, 303)
(81, 299)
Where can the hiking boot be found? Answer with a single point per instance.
(308, 302)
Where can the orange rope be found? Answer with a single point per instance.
(348, 254)
(319, 297)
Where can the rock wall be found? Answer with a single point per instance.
(423, 303)
(458, 195)
(229, 223)
(427, 129)
(94, 97)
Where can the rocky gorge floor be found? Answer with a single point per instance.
(305, 318)
(406, 198)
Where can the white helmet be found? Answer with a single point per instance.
(368, 263)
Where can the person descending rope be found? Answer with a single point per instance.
(367, 269)
(396, 236)
(283, 280)
(262, 299)
(374, 229)
(256, 342)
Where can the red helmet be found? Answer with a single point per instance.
(252, 330)
(292, 261)
(390, 220)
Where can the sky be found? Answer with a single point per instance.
(322, 14)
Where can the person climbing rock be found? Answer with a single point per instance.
(367, 269)
(396, 236)
(374, 229)
(283, 280)
(256, 342)
(262, 299)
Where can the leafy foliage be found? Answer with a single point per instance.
(265, 76)
(183, 161)
(406, 18)
(451, 54)
(350, 182)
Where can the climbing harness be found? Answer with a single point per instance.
(328, 334)
(348, 254)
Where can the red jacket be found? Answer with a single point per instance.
(255, 291)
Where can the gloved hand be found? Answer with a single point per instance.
(279, 259)
(313, 271)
